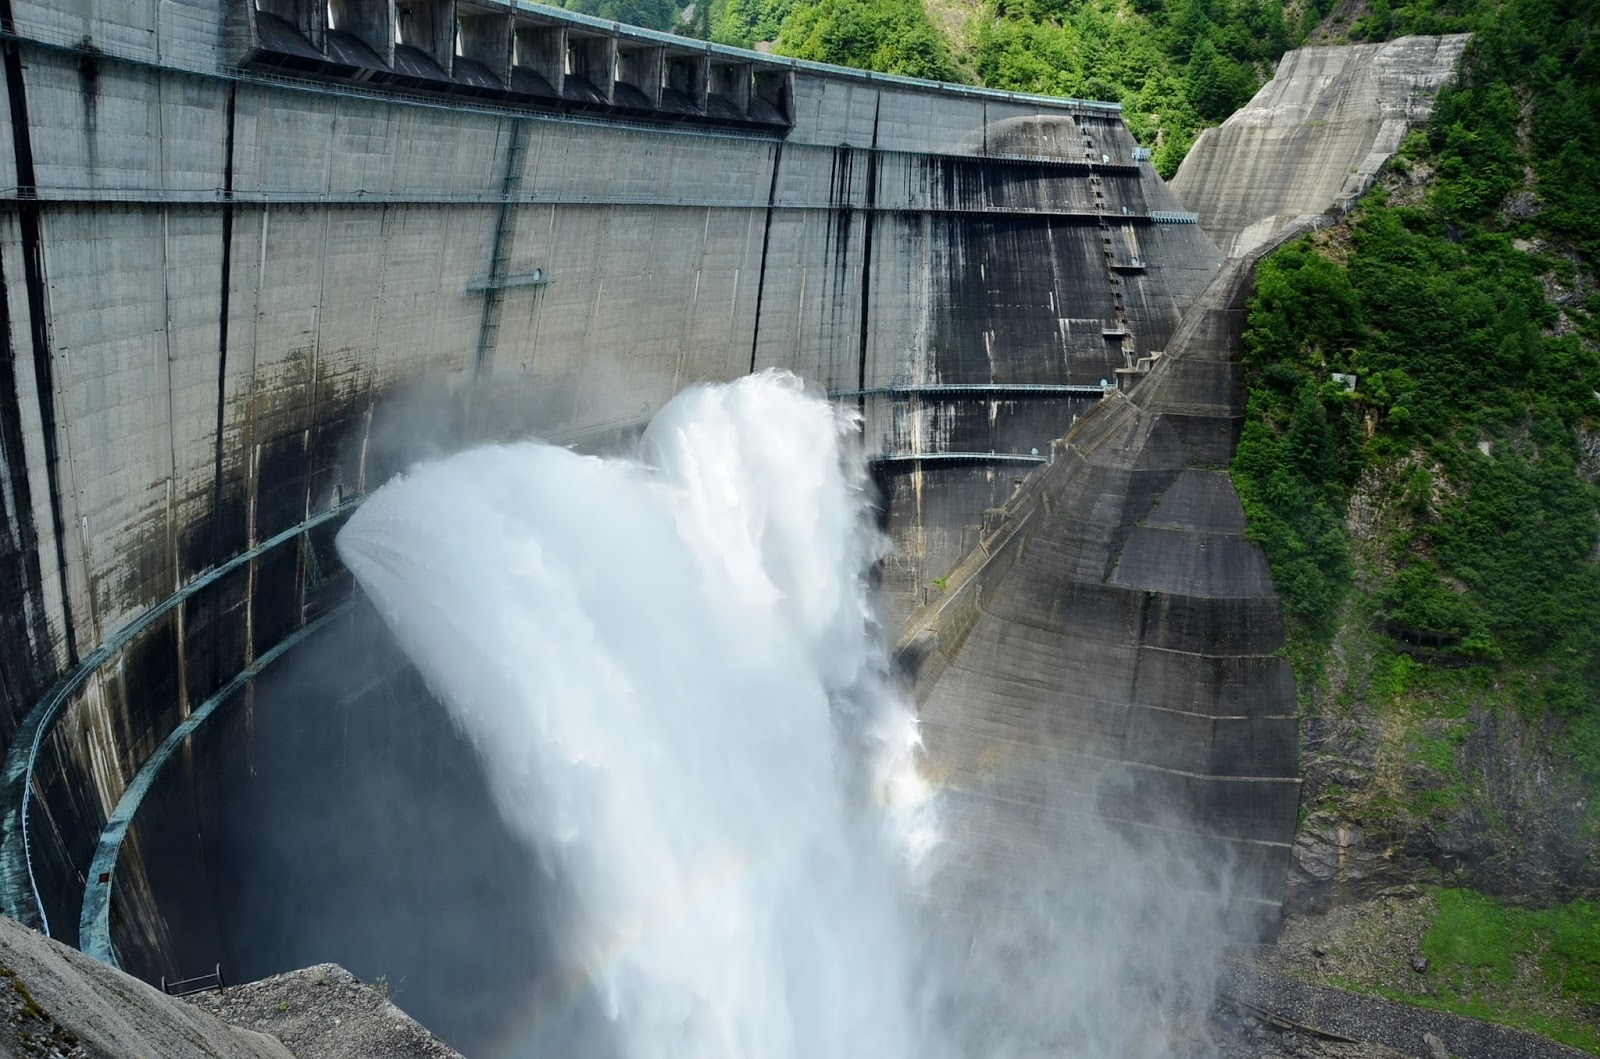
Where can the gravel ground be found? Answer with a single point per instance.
(1410, 1030)
(325, 1012)
(1371, 943)
(1234, 1035)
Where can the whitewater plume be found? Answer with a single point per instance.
(670, 667)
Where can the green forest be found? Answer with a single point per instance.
(1466, 315)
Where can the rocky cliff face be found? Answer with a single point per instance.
(1381, 817)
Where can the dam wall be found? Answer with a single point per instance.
(1107, 661)
(1108, 657)
(256, 257)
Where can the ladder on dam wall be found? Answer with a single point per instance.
(495, 284)
(1118, 330)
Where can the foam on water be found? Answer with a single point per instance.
(670, 667)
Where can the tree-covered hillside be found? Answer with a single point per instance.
(1176, 66)
(1435, 531)
(1461, 298)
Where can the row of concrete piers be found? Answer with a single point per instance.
(517, 53)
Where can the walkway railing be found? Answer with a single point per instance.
(19, 888)
(980, 390)
(94, 920)
(202, 984)
(959, 457)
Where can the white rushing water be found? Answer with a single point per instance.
(670, 668)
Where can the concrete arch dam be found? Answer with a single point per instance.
(257, 256)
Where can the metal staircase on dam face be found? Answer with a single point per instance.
(1118, 331)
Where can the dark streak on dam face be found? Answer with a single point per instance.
(264, 299)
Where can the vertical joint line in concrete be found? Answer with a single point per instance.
(38, 305)
(766, 240)
(222, 329)
(12, 451)
(866, 254)
(500, 255)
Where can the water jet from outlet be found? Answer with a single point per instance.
(670, 667)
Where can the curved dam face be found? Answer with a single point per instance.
(336, 812)
(258, 257)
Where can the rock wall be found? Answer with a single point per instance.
(60, 1002)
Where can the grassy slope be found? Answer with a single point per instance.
(1534, 968)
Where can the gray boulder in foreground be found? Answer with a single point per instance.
(57, 1003)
